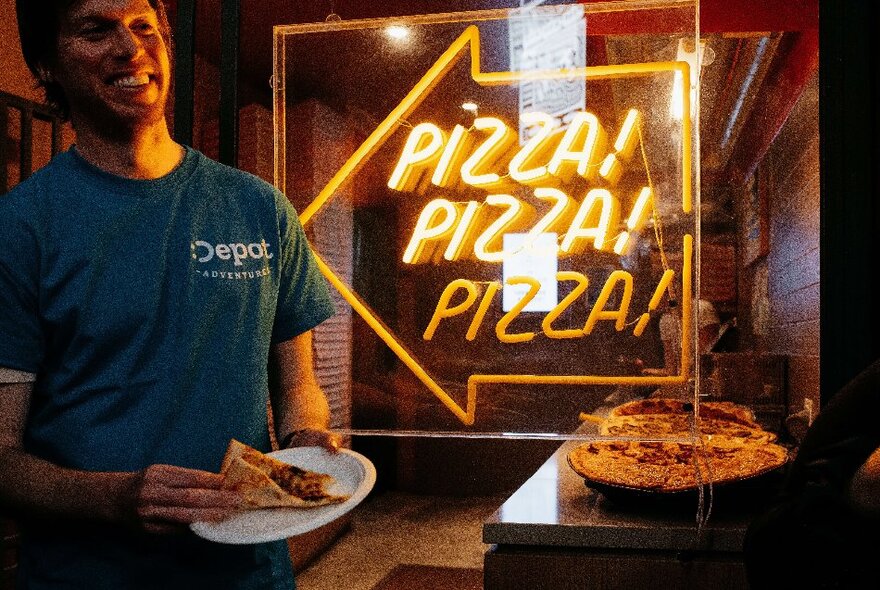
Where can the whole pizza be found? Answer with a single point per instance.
(680, 426)
(726, 444)
(721, 410)
(674, 466)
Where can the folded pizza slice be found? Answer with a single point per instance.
(266, 482)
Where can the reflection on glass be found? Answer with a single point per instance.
(537, 501)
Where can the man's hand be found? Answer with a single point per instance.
(314, 437)
(165, 499)
(864, 489)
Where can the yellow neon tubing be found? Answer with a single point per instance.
(470, 37)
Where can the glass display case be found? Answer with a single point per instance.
(507, 203)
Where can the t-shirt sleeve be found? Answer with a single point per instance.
(21, 341)
(303, 297)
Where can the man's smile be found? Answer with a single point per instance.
(131, 80)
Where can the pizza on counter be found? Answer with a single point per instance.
(727, 444)
(720, 410)
(679, 426)
(266, 482)
(674, 466)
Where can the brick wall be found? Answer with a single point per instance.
(793, 263)
(789, 275)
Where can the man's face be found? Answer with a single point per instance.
(113, 64)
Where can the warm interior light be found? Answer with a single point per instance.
(397, 32)
(687, 52)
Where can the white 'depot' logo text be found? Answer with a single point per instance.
(237, 251)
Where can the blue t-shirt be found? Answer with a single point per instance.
(147, 308)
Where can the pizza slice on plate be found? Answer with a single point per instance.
(266, 482)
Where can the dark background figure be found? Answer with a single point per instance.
(821, 529)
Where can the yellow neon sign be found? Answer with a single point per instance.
(534, 149)
(582, 147)
(421, 147)
(469, 225)
(499, 140)
(620, 278)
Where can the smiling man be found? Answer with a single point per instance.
(129, 356)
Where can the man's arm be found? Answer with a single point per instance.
(160, 498)
(864, 491)
(299, 406)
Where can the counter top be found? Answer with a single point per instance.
(555, 508)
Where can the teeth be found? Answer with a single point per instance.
(132, 81)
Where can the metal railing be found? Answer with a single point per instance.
(27, 111)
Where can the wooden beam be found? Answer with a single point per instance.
(716, 16)
(26, 149)
(751, 16)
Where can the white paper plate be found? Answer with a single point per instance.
(354, 474)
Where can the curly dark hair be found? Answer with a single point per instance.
(39, 23)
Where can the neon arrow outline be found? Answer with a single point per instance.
(471, 37)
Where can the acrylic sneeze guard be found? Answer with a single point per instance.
(505, 203)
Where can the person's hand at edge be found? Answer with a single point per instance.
(312, 437)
